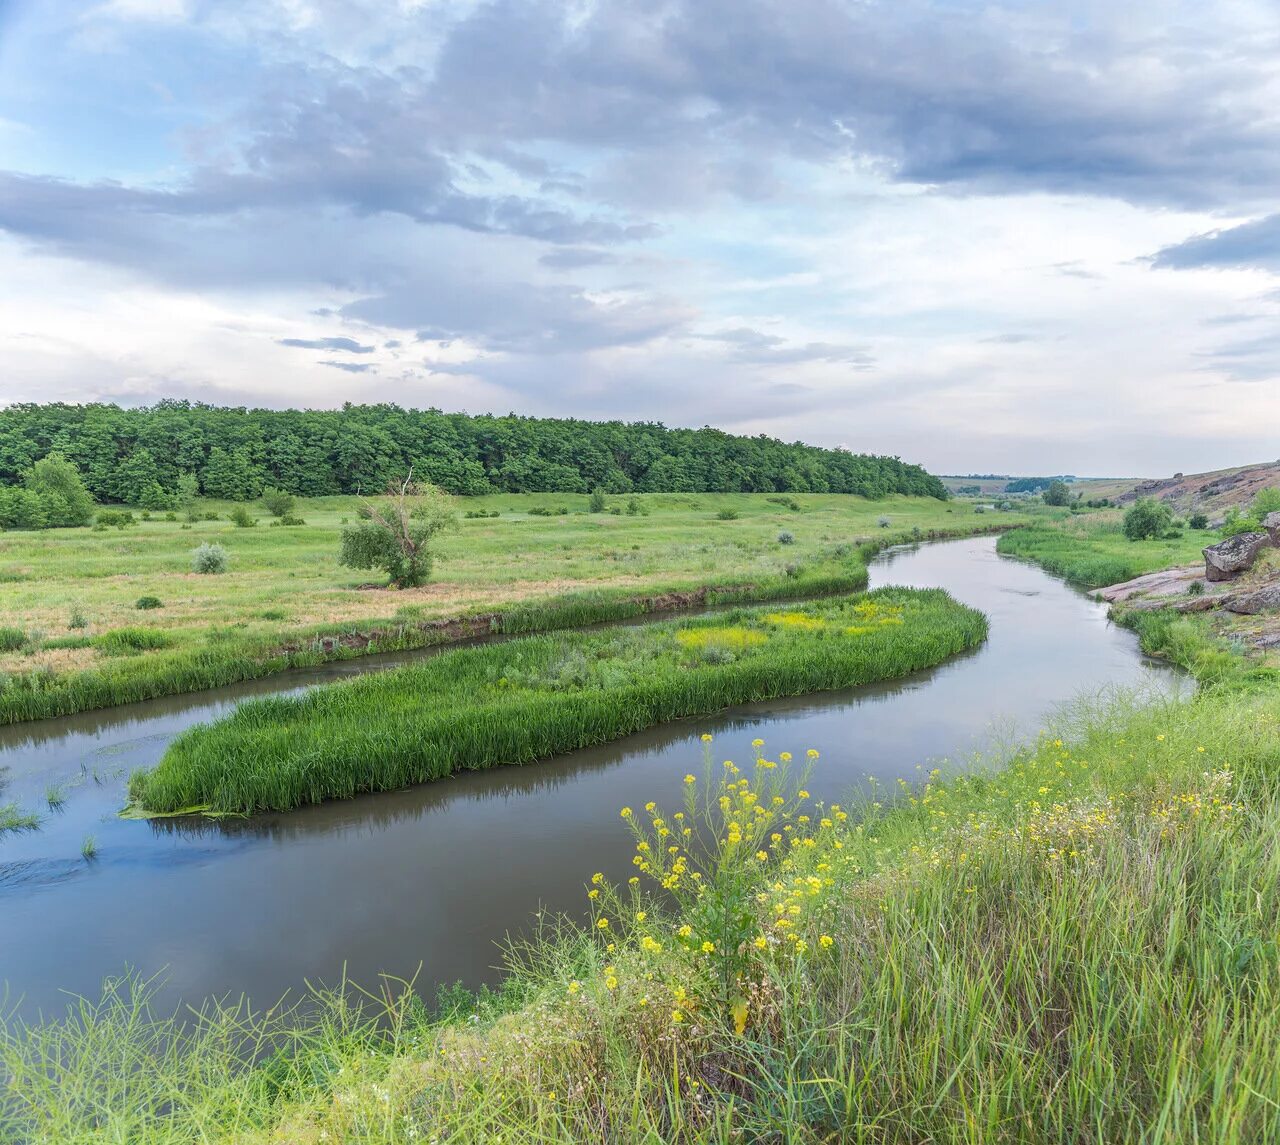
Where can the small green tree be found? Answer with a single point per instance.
(278, 502)
(396, 534)
(1147, 518)
(1057, 494)
(56, 479)
(596, 504)
(188, 494)
(1198, 521)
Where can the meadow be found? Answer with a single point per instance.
(73, 635)
(526, 699)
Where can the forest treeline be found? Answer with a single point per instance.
(134, 456)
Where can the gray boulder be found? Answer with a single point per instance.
(1228, 559)
(1271, 522)
(1265, 599)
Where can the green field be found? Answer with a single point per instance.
(528, 699)
(285, 591)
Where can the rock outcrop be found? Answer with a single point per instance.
(1265, 599)
(1228, 559)
(1271, 522)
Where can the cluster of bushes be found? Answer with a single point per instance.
(52, 496)
(481, 514)
(1250, 520)
(543, 511)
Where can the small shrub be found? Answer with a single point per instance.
(278, 502)
(633, 507)
(240, 517)
(145, 603)
(273, 614)
(979, 508)
(615, 511)
(596, 503)
(146, 514)
(209, 558)
(727, 515)
(786, 538)
(118, 518)
(1195, 588)
(1146, 519)
(11, 639)
(210, 516)
(77, 619)
(1198, 521)
(171, 516)
(884, 522)
(287, 522)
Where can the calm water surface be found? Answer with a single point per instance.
(434, 876)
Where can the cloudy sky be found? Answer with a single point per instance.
(1036, 236)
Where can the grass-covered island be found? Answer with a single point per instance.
(529, 698)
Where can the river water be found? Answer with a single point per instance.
(435, 876)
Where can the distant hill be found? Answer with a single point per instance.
(1208, 492)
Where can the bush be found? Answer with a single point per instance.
(1057, 494)
(1198, 521)
(209, 558)
(119, 518)
(727, 515)
(786, 538)
(633, 507)
(1147, 519)
(239, 516)
(288, 521)
(77, 619)
(596, 504)
(398, 534)
(1195, 588)
(145, 603)
(11, 639)
(884, 522)
(278, 502)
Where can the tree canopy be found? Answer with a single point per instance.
(126, 454)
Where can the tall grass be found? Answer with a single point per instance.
(531, 698)
(1069, 556)
(1078, 947)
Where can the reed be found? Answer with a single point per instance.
(522, 700)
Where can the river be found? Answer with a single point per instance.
(434, 876)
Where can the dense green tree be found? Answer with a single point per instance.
(1146, 519)
(1058, 493)
(55, 477)
(312, 453)
(397, 534)
(135, 476)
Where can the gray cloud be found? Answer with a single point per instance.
(520, 317)
(350, 345)
(352, 367)
(1253, 244)
(748, 345)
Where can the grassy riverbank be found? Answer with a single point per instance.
(1091, 549)
(523, 700)
(1077, 946)
(1093, 552)
(75, 638)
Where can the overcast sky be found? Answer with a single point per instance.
(1037, 236)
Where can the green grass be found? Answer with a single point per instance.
(527, 699)
(1074, 946)
(1091, 550)
(13, 818)
(285, 602)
